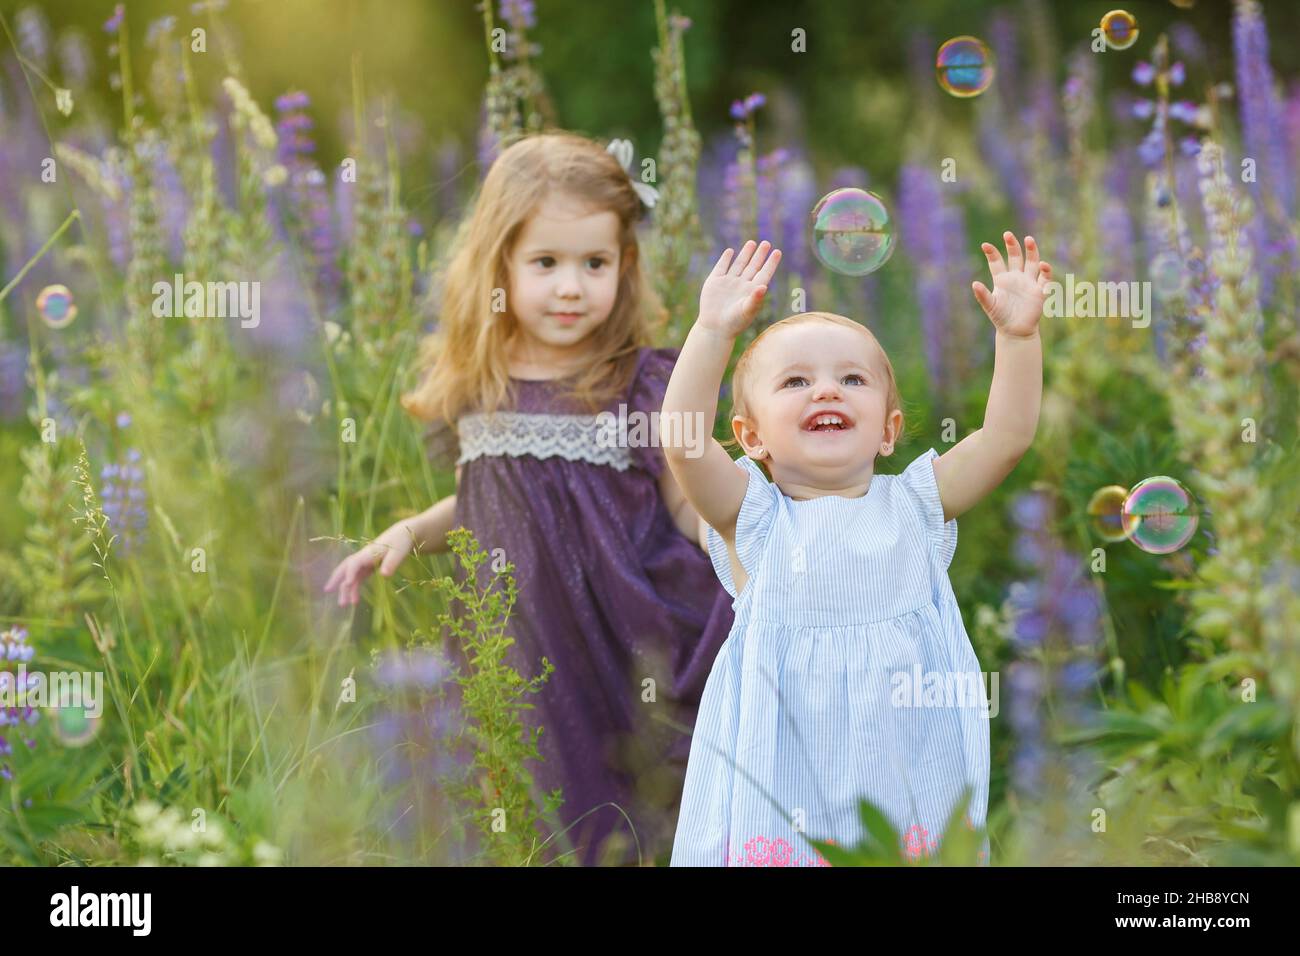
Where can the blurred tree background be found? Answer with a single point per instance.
(850, 97)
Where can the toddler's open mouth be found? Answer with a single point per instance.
(827, 422)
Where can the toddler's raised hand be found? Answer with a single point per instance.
(1016, 303)
(735, 288)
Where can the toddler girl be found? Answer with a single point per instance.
(545, 337)
(844, 611)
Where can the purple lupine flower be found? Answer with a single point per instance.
(33, 29)
(123, 498)
(744, 109)
(1006, 52)
(15, 651)
(418, 667)
(519, 14)
(1152, 148)
(309, 208)
(117, 215)
(418, 725)
(999, 122)
(1056, 614)
(1116, 224)
(1031, 510)
(157, 30)
(1143, 73)
(1187, 42)
(114, 23)
(1261, 114)
(932, 227)
(75, 59)
(795, 195)
(13, 375)
(1263, 137)
(286, 324)
(173, 200)
(1077, 676)
(1177, 73)
(850, 177)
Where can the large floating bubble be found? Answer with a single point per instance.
(56, 306)
(1162, 513)
(1120, 29)
(1169, 276)
(73, 727)
(964, 66)
(1106, 513)
(852, 231)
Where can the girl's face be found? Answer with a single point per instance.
(802, 375)
(564, 272)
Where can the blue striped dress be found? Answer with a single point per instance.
(847, 674)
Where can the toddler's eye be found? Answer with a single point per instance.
(794, 378)
(860, 379)
(545, 261)
(595, 262)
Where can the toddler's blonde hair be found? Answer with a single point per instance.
(465, 358)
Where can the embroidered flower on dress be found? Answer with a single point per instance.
(917, 843)
(763, 851)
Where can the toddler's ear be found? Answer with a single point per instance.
(893, 432)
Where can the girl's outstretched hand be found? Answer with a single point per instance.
(1016, 303)
(386, 552)
(735, 288)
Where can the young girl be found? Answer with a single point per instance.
(843, 605)
(545, 332)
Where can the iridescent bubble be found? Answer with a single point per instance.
(852, 231)
(964, 66)
(1163, 515)
(1120, 29)
(56, 306)
(73, 727)
(1169, 278)
(1106, 513)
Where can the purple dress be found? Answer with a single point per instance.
(625, 606)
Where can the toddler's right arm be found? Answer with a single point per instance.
(734, 290)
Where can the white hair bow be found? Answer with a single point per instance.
(621, 149)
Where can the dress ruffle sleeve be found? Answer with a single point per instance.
(923, 491)
(752, 525)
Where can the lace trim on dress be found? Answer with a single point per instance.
(590, 438)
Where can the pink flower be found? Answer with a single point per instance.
(757, 852)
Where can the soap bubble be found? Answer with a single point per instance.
(1106, 513)
(964, 66)
(1169, 278)
(1120, 28)
(56, 306)
(1162, 513)
(853, 233)
(73, 727)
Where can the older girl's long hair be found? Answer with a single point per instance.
(465, 359)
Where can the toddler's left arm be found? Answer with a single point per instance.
(686, 518)
(979, 462)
